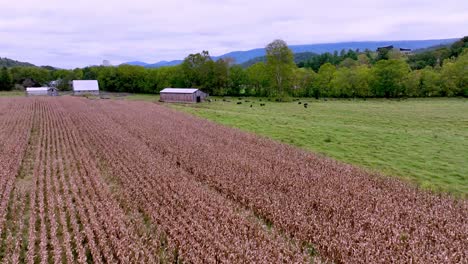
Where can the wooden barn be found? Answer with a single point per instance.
(182, 95)
(85, 87)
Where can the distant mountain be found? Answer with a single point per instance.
(137, 63)
(432, 48)
(298, 57)
(154, 65)
(165, 63)
(5, 62)
(241, 57)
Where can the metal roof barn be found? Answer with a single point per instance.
(182, 95)
(40, 91)
(85, 87)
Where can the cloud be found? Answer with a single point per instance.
(85, 32)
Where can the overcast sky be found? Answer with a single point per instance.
(78, 33)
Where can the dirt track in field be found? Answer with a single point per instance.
(117, 181)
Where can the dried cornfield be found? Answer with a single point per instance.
(116, 181)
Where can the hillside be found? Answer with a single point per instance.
(6, 62)
(241, 57)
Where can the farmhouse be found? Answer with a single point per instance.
(182, 95)
(405, 51)
(391, 47)
(50, 91)
(85, 87)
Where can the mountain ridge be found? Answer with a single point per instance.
(319, 48)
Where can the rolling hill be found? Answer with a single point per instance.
(6, 62)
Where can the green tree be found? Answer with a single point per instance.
(351, 82)
(38, 76)
(280, 62)
(458, 47)
(158, 79)
(383, 54)
(342, 82)
(361, 85)
(90, 73)
(131, 79)
(6, 80)
(348, 63)
(302, 81)
(388, 77)
(413, 84)
(108, 79)
(430, 82)
(351, 54)
(196, 68)
(238, 80)
(220, 77)
(323, 80)
(454, 76)
(259, 80)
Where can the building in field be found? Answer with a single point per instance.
(392, 48)
(81, 87)
(182, 95)
(44, 91)
(405, 51)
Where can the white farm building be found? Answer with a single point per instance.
(33, 91)
(85, 87)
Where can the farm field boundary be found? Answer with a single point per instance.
(424, 141)
(109, 181)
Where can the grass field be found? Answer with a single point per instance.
(422, 140)
(11, 93)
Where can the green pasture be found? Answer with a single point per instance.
(424, 141)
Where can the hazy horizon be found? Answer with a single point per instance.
(58, 34)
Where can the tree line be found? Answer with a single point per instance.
(386, 73)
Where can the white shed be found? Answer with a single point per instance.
(50, 91)
(85, 87)
(37, 91)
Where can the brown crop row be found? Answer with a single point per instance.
(15, 127)
(130, 182)
(201, 224)
(349, 214)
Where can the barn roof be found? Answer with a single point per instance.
(85, 85)
(37, 89)
(179, 90)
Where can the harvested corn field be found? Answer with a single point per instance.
(115, 181)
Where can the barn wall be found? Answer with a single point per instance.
(86, 92)
(201, 94)
(36, 93)
(177, 97)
